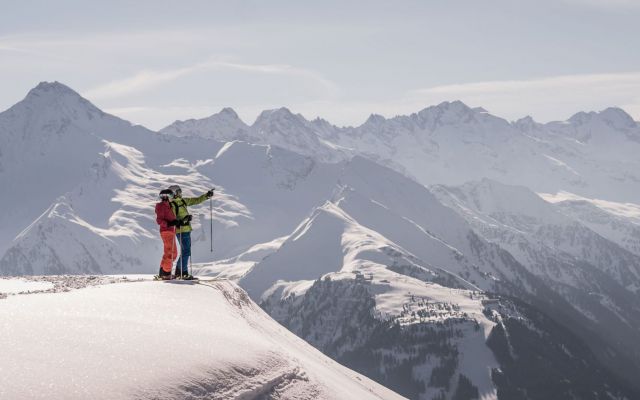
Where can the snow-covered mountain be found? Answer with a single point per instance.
(278, 127)
(385, 203)
(99, 217)
(328, 227)
(407, 324)
(529, 227)
(207, 339)
(452, 143)
(395, 233)
(618, 222)
(262, 194)
(50, 143)
(224, 126)
(596, 276)
(591, 154)
(104, 225)
(444, 343)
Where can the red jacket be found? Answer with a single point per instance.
(164, 215)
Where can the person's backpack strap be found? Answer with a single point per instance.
(177, 206)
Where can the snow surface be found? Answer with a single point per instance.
(18, 285)
(144, 339)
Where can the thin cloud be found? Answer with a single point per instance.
(152, 78)
(564, 81)
(546, 98)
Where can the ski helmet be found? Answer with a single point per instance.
(165, 194)
(175, 189)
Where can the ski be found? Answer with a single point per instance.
(173, 278)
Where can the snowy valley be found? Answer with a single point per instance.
(440, 254)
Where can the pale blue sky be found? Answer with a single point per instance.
(152, 62)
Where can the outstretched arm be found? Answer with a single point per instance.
(192, 201)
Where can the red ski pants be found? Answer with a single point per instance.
(170, 250)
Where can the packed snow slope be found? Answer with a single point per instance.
(130, 338)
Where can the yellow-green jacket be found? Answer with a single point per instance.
(179, 208)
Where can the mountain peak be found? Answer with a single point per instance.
(281, 114)
(60, 98)
(449, 113)
(526, 124)
(455, 105)
(618, 117)
(55, 88)
(225, 125)
(227, 115)
(613, 116)
(230, 112)
(375, 119)
(453, 108)
(277, 112)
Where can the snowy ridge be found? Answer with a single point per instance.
(510, 215)
(376, 202)
(618, 222)
(278, 127)
(332, 241)
(223, 126)
(230, 347)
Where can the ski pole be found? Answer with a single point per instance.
(174, 253)
(211, 219)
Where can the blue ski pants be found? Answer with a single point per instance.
(184, 240)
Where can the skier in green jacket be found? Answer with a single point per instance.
(183, 232)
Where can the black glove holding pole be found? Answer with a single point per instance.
(210, 193)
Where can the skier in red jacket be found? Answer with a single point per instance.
(168, 222)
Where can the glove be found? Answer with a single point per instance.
(210, 194)
(186, 220)
(175, 223)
